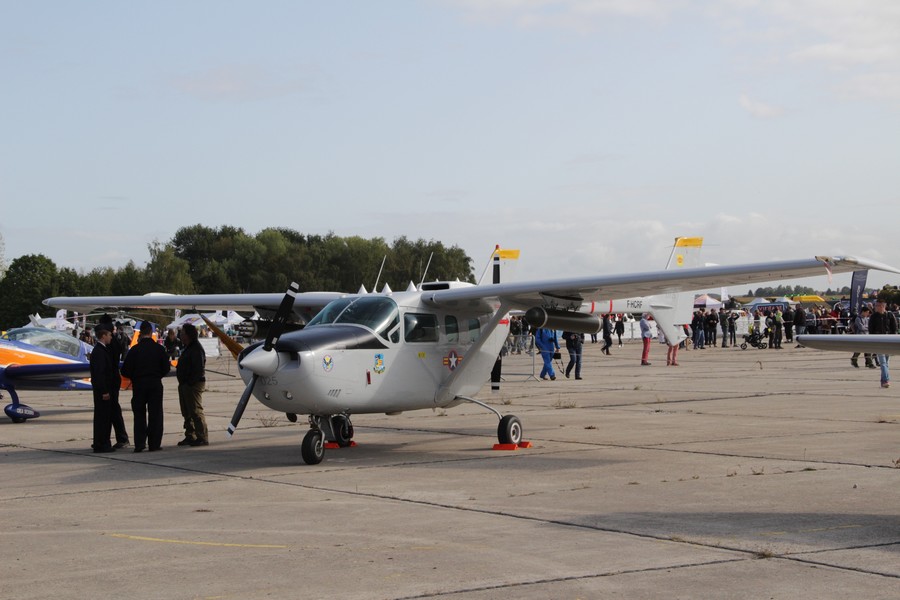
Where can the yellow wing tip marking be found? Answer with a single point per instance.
(507, 254)
(688, 241)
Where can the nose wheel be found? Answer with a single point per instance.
(335, 429)
(313, 447)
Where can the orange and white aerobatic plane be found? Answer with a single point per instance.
(37, 358)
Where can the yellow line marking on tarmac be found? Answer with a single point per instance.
(165, 541)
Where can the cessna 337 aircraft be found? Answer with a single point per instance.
(431, 346)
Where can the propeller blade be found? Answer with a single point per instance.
(281, 317)
(241, 405)
(264, 360)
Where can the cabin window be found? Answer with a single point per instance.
(420, 327)
(474, 329)
(451, 327)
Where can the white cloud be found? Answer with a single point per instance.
(844, 37)
(760, 110)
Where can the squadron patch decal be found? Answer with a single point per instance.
(327, 363)
(379, 363)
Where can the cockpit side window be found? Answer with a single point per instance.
(420, 327)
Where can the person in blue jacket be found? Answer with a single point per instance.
(548, 344)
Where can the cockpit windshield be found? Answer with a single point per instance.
(379, 314)
(48, 339)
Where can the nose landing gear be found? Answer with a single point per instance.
(335, 428)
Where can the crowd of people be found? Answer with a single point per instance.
(715, 327)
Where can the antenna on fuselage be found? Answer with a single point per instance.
(428, 264)
(377, 279)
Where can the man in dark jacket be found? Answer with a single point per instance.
(191, 373)
(117, 347)
(105, 382)
(146, 364)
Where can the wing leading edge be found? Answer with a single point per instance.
(873, 344)
(303, 301)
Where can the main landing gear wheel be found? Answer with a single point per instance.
(343, 430)
(510, 430)
(313, 447)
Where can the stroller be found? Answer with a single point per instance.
(753, 338)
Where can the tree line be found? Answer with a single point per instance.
(208, 260)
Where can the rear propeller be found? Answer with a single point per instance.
(264, 359)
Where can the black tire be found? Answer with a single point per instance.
(510, 430)
(343, 430)
(18, 419)
(744, 346)
(763, 346)
(313, 447)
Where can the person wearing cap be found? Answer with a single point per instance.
(883, 322)
(146, 364)
(105, 382)
(191, 373)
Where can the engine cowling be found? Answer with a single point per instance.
(566, 320)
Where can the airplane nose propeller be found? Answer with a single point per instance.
(263, 361)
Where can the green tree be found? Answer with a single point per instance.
(129, 281)
(28, 281)
(97, 282)
(890, 294)
(166, 272)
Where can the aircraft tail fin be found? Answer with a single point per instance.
(673, 310)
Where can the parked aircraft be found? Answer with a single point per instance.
(38, 358)
(432, 346)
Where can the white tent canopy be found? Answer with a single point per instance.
(706, 301)
(217, 318)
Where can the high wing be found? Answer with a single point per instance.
(872, 344)
(305, 303)
(570, 293)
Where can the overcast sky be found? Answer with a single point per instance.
(587, 133)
